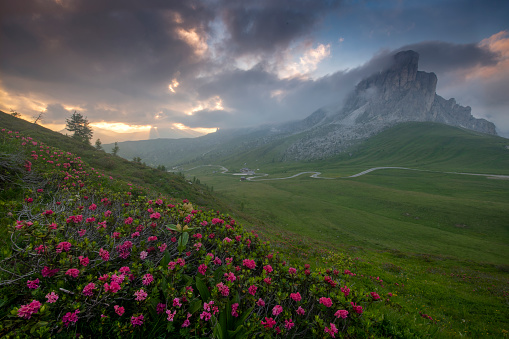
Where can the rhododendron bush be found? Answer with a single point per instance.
(95, 256)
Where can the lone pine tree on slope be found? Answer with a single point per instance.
(80, 126)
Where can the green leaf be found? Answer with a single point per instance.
(218, 331)
(172, 227)
(243, 317)
(166, 259)
(202, 288)
(195, 306)
(218, 274)
(236, 333)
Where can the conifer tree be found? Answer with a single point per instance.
(80, 126)
(98, 145)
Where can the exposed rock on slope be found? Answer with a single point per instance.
(398, 94)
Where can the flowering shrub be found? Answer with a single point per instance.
(108, 262)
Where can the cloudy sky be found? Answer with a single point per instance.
(171, 68)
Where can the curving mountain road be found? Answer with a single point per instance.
(316, 175)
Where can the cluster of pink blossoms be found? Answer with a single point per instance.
(341, 314)
(33, 284)
(137, 321)
(332, 330)
(51, 297)
(327, 302)
(147, 279)
(140, 295)
(223, 289)
(249, 263)
(70, 318)
(87, 290)
(26, 311)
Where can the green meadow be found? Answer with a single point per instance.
(444, 235)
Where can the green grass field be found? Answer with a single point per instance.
(445, 236)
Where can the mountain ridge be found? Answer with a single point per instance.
(400, 93)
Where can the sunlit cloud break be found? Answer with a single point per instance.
(120, 127)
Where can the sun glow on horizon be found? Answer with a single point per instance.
(120, 127)
(202, 130)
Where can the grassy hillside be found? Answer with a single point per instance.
(134, 172)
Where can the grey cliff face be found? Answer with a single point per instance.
(400, 93)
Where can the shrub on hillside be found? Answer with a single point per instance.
(95, 256)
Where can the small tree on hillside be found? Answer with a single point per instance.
(80, 126)
(115, 149)
(98, 145)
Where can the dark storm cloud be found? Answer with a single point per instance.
(441, 57)
(267, 25)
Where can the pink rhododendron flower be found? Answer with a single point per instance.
(227, 240)
(124, 269)
(87, 290)
(332, 330)
(292, 270)
(137, 321)
(202, 269)
(128, 221)
(47, 272)
(277, 310)
(260, 302)
(345, 290)
(181, 262)
(249, 263)
(375, 295)
(268, 323)
(143, 255)
(341, 314)
(155, 215)
(177, 303)
(92, 207)
(172, 265)
(104, 277)
(113, 287)
(268, 281)
(289, 324)
(107, 213)
(147, 279)
(296, 296)
(82, 232)
(171, 314)
(301, 311)
(119, 310)
(223, 289)
(105, 255)
(63, 246)
(51, 297)
(267, 268)
(73, 272)
(33, 284)
(356, 308)
(234, 310)
(135, 234)
(217, 261)
(230, 276)
(152, 238)
(252, 289)
(326, 301)
(70, 317)
(140, 295)
(205, 316)
(26, 311)
(162, 248)
(84, 261)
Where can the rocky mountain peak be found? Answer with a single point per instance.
(400, 93)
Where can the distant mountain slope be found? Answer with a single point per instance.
(398, 94)
(433, 146)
